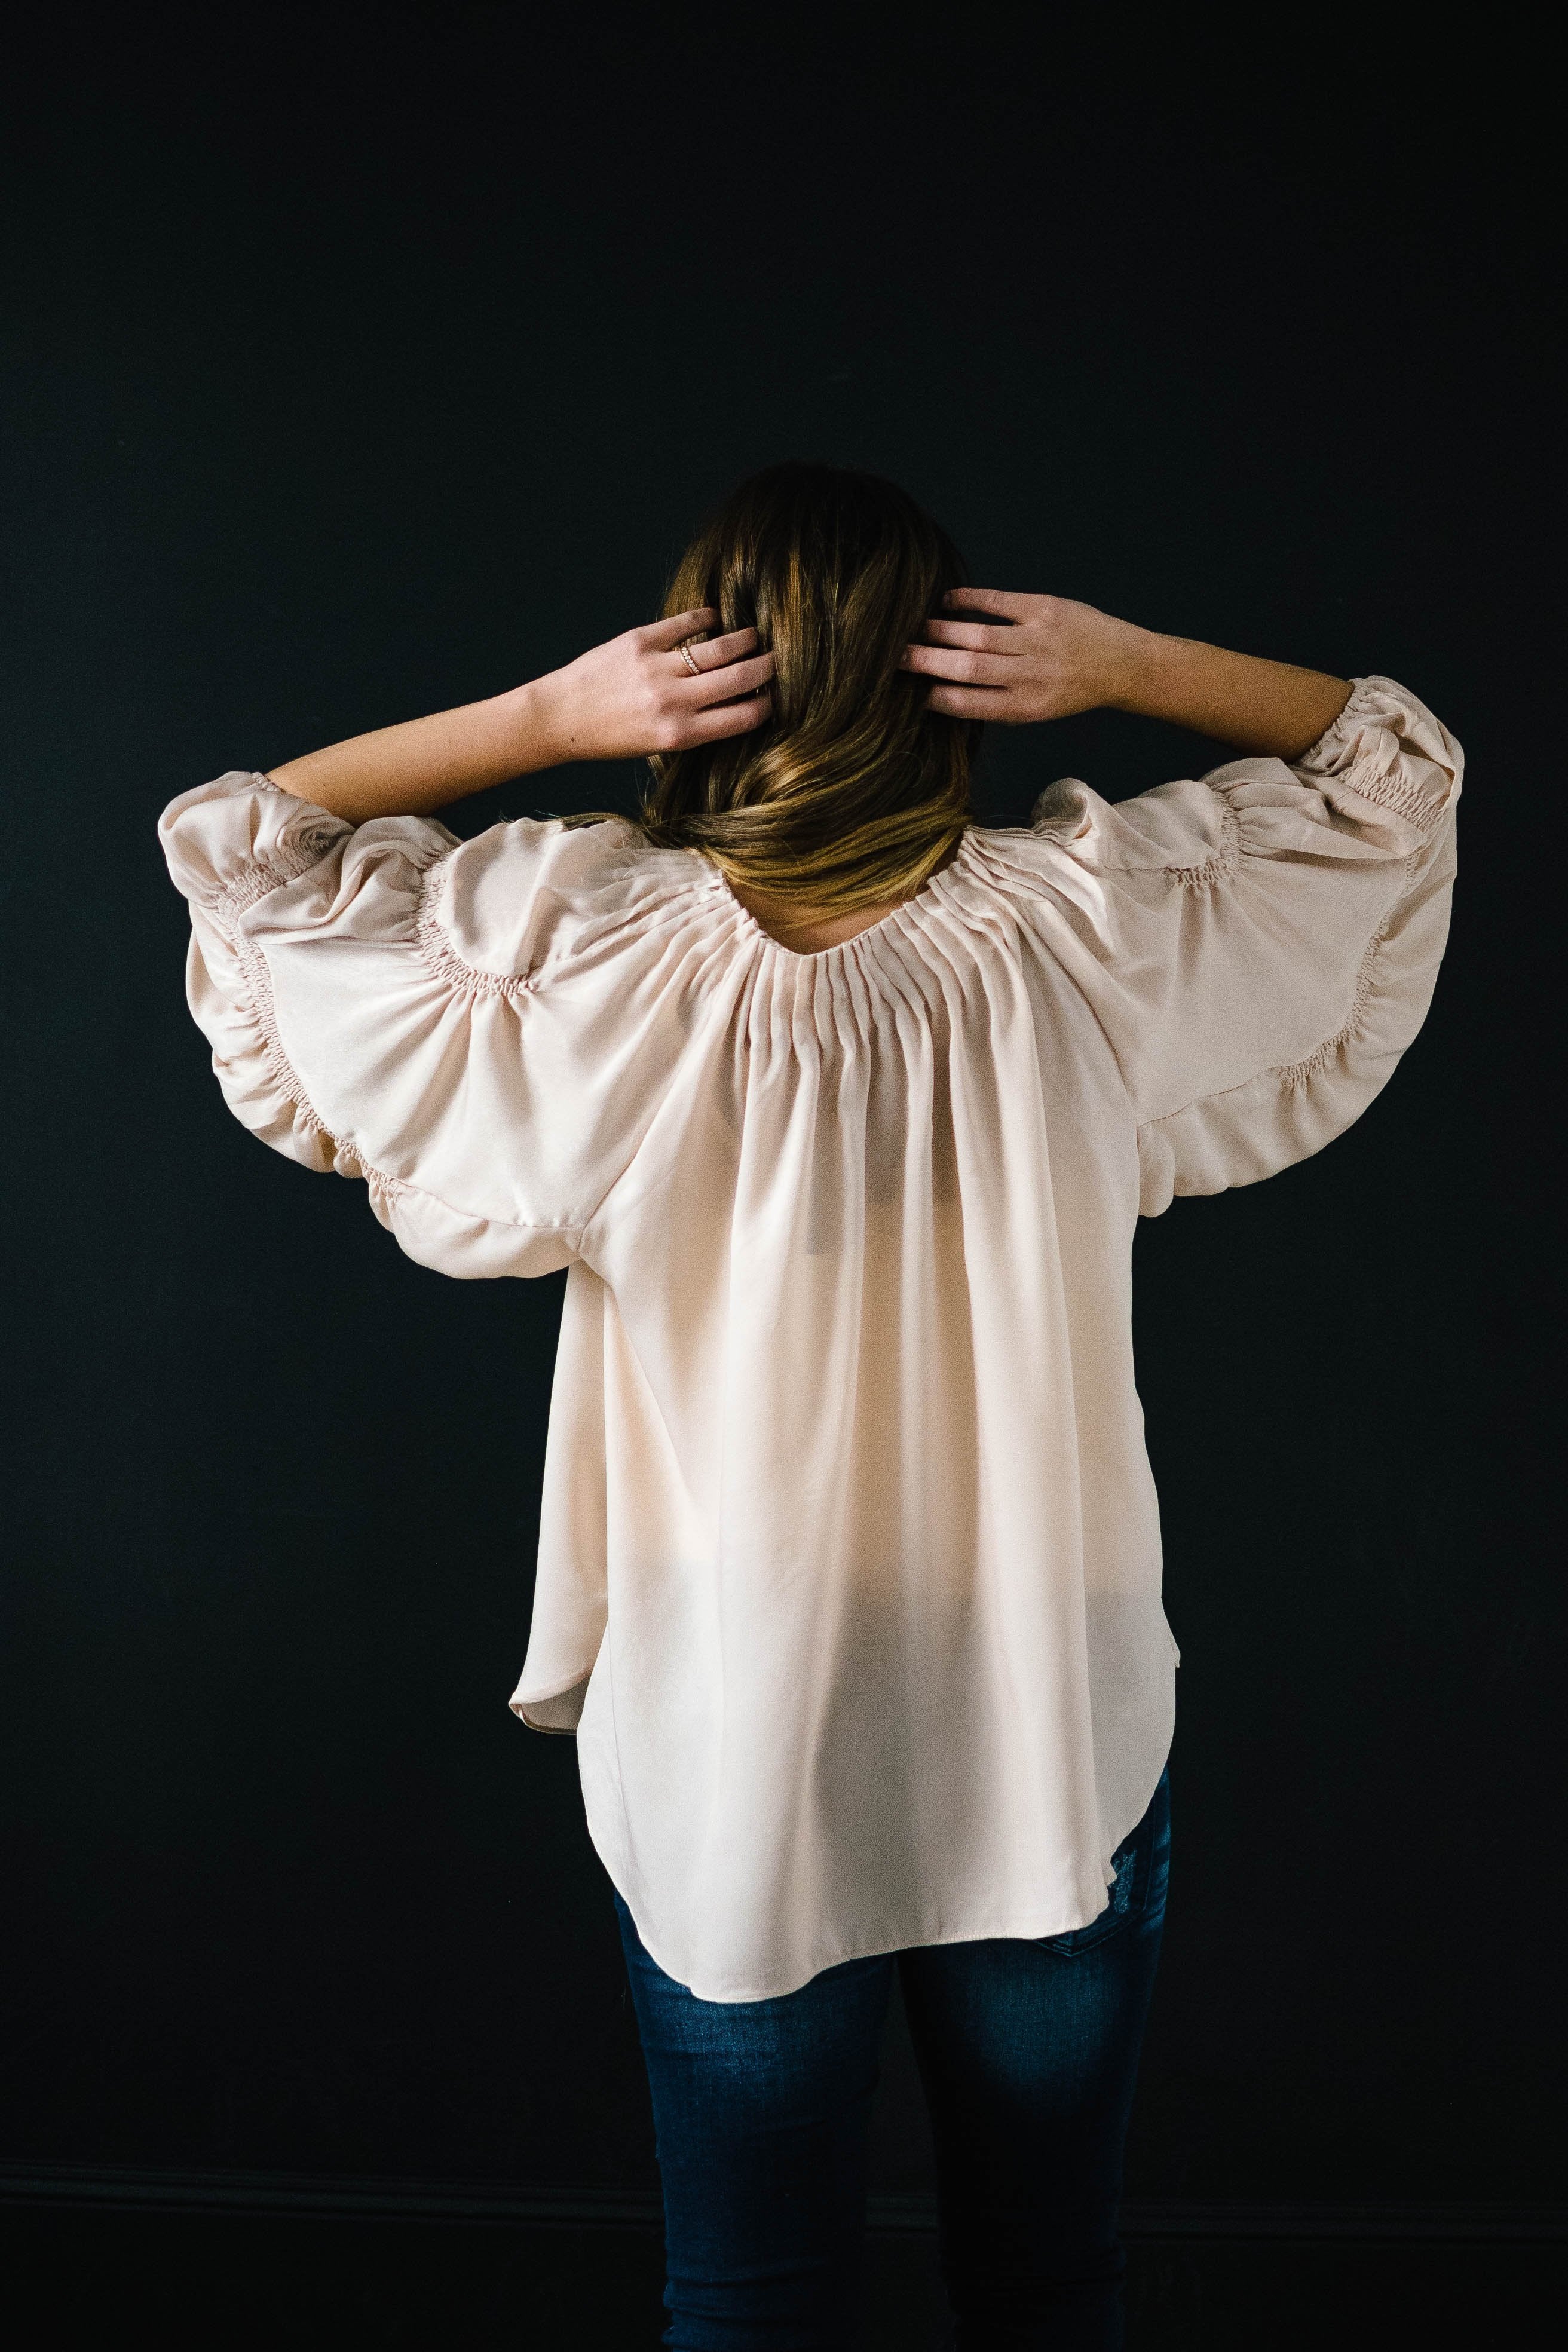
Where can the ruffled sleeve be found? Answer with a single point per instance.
(1261, 945)
(380, 1003)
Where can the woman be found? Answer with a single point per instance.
(840, 1110)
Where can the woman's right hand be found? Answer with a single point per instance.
(622, 700)
(634, 694)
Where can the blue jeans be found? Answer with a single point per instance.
(1028, 2051)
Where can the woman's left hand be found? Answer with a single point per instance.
(1046, 657)
(1033, 657)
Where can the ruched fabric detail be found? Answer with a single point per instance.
(849, 1576)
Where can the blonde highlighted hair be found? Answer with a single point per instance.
(853, 792)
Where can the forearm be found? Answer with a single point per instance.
(664, 688)
(426, 763)
(1034, 657)
(1266, 707)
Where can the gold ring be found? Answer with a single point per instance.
(684, 650)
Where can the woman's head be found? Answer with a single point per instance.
(853, 792)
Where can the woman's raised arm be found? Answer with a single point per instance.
(1044, 657)
(633, 695)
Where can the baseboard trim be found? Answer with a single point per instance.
(304, 2197)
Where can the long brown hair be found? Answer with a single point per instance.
(853, 792)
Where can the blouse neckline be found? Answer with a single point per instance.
(932, 892)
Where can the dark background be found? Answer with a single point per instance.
(369, 361)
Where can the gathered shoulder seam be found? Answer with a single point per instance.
(262, 876)
(1385, 790)
(456, 972)
(258, 978)
(1220, 866)
(1222, 863)
(441, 956)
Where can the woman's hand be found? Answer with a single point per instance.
(1047, 658)
(1034, 657)
(635, 695)
(631, 696)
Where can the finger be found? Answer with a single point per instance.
(968, 702)
(721, 685)
(975, 634)
(988, 600)
(965, 669)
(714, 652)
(663, 636)
(726, 718)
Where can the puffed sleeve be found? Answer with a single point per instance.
(1262, 943)
(378, 1002)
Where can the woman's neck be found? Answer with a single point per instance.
(807, 930)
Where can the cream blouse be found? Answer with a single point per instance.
(850, 1563)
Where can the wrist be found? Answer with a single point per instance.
(1144, 662)
(533, 719)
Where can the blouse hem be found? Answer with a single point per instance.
(520, 1702)
(981, 1932)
